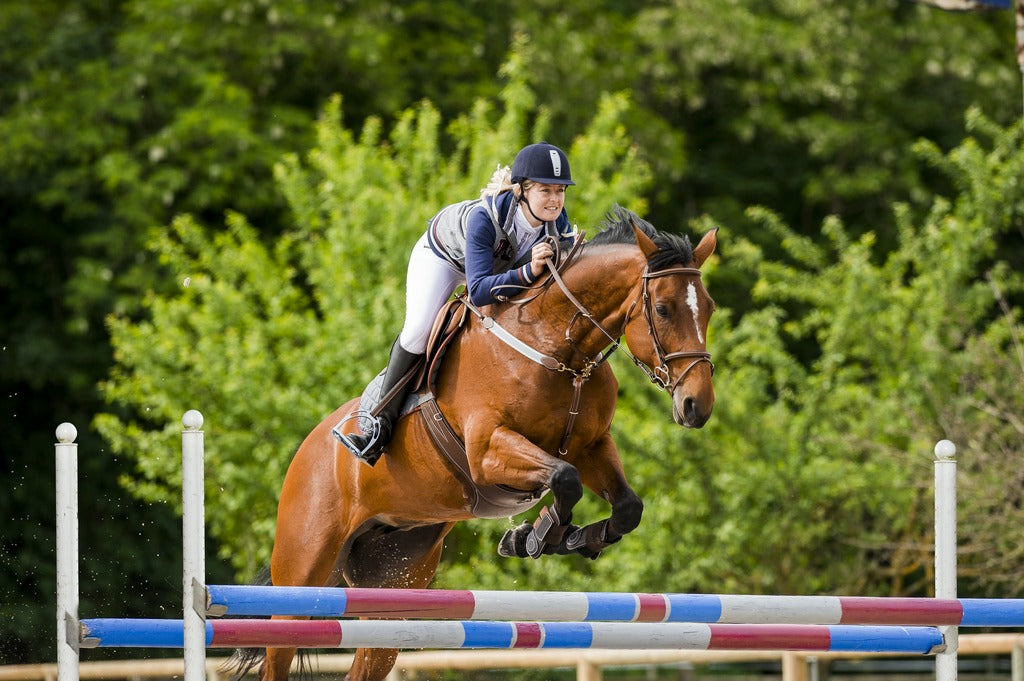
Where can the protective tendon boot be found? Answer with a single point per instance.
(365, 445)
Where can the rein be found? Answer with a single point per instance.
(659, 375)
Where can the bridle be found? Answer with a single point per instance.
(660, 374)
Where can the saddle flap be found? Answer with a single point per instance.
(447, 324)
(449, 320)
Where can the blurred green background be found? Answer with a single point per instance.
(209, 204)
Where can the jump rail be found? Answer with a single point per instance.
(572, 620)
(164, 633)
(565, 606)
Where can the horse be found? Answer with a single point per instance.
(526, 389)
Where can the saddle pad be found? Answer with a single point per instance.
(371, 398)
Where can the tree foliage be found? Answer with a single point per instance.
(804, 105)
(814, 474)
(831, 392)
(185, 123)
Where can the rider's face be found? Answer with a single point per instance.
(546, 202)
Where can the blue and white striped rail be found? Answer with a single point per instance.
(556, 606)
(478, 634)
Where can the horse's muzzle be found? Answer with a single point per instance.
(691, 412)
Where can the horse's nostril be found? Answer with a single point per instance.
(689, 410)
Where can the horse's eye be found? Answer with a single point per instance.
(661, 311)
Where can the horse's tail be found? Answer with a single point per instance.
(245, 660)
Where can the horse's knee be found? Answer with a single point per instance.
(566, 487)
(626, 514)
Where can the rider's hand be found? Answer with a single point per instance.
(538, 255)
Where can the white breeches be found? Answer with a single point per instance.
(428, 286)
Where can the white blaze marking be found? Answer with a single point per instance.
(691, 300)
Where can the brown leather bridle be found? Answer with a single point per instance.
(660, 373)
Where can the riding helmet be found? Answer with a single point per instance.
(541, 162)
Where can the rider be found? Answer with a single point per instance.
(488, 245)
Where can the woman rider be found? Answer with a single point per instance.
(488, 245)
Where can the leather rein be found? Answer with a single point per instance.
(660, 375)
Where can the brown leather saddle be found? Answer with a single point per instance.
(486, 501)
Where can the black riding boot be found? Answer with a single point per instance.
(365, 445)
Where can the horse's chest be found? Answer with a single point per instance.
(546, 413)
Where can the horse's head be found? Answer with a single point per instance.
(669, 332)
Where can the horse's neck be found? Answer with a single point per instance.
(604, 282)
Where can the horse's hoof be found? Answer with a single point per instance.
(513, 542)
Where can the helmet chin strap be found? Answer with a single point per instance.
(522, 199)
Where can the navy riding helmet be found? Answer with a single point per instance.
(541, 162)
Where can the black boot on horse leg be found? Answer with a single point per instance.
(395, 386)
(591, 540)
(546, 534)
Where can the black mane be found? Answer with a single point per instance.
(617, 228)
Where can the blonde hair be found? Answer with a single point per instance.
(501, 181)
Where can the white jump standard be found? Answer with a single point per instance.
(435, 618)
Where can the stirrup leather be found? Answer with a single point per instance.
(366, 418)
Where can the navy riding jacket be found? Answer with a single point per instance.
(483, 246)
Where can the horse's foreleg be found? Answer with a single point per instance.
(549, 529)
(603, 475)
(511, 459)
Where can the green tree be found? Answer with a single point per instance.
(830, 459)
(982, 411)
(802, 105)
(815, 476)
(115, 117)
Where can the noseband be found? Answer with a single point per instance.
(660, 374)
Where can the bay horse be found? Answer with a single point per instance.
(533, 405)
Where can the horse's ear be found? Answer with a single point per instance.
(644, 241)
(705, 248)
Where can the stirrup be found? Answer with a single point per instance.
(365, 453)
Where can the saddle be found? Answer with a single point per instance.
(447, 325)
